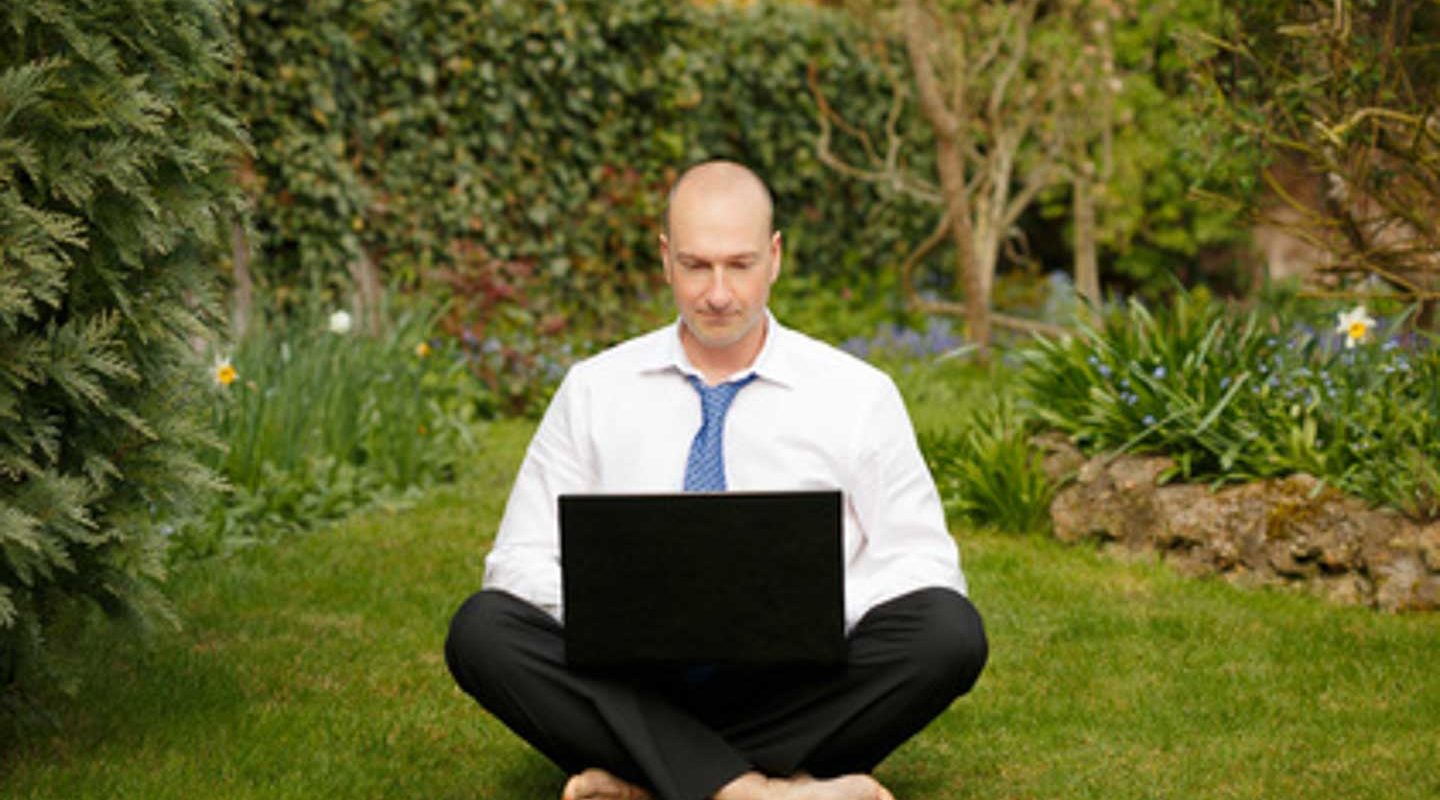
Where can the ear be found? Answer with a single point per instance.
(775, 254)
(665, 258)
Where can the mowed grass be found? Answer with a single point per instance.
(313, 669)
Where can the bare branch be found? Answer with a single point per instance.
(1000, 320)
(1021, 21)
(931, 99)
(907, 267)
(889, 174)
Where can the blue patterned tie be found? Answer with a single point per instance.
(705, 468)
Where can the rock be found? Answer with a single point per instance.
(1139, 474)
(1294, 530)
(1428, 540)
(1350, 588)
(1400, 584)
(1109, 501)
(1060, 459)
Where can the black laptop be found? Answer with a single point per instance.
(734, 578)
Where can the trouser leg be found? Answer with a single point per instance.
(907, 660)
(510, 657)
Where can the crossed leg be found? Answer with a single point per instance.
(798, 736)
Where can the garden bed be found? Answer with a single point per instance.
(1292, 531)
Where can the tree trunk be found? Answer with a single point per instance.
(242, 293)
(368, 292)
(1087, 265)
(951, 163)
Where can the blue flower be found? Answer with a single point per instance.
(1148, 420)
(1225, 382)
(1105, 372)
(1159, 373)
(856, 346)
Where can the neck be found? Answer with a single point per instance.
(716, 364)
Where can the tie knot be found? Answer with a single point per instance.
(715, 400)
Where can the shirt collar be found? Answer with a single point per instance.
(772, 363)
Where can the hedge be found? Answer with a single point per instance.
(438, 138)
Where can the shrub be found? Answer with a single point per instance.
(113, 154)
(1235, 395)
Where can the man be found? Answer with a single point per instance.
(775, 410)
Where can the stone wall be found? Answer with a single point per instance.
(1287, 530)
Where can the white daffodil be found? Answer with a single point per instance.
(340, 322)
(223, 372)
(1355, 325)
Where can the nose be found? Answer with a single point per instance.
(717, 294)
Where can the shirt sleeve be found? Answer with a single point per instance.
(525, 560)
(907, 542)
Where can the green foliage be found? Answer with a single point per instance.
(319, 422)
(973, 432)
(442, 138)
(1161, 149)
(986, 470)
(1237, 396)
(113, 155)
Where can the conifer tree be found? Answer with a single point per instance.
(114, 187)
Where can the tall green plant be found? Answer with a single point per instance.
(319, 419)
(985, 468)
(1236, 395)
(114, 143)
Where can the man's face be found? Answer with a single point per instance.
(720, 259)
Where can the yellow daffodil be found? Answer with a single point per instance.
(1355, 325)
(422, 350)
(224, 372)
(340, 322)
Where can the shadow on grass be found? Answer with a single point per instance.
(132, 697)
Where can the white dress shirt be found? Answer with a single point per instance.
(814, 418)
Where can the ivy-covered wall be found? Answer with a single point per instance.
(442, 137)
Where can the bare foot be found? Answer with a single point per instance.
(753, 786)
(597, 784)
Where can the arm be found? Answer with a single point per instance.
(525, 560)
(897, 503)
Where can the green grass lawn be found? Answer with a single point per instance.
(313, 668)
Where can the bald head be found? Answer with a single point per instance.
(720, 187)
(721, 254)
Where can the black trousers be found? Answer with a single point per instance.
(683, 736)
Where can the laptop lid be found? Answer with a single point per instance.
(743, 578)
